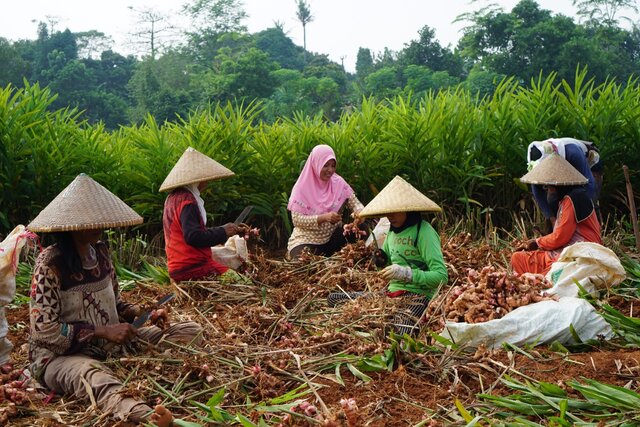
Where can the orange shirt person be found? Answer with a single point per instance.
(576, 218)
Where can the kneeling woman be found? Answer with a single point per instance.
(412, 251)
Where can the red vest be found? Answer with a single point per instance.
(185, 262)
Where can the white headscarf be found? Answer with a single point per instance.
(193, 188)
(557, 145)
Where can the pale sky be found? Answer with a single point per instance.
(338, 29)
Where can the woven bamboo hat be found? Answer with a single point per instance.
(192, 167)
(84, 205)
(554, 170)
(399, 196)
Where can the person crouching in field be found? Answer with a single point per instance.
(416, 267)
(77, 316)
(188, 240)
(316, 203)
(575, 216)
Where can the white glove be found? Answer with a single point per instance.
(398, 272)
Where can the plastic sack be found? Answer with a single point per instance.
(541, 323)
(10, 249)
(232, 254)
(380, 232)
(592, 265)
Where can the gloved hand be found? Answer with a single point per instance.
(398, 272)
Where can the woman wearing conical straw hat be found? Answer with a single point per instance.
(188, 240)
(582, 155)
(412, 251)
(576, 218)
(76, 307)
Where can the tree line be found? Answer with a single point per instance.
(218, 61)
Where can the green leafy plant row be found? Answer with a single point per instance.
(464, 152)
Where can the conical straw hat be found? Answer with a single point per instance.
(399, 196)
(84, 205)
(554, 170)
(192, 167)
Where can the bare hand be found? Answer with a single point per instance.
(232, 229)
(332, 217)
(160, 318)
(379, 258)
(120, 333)
(528, 245)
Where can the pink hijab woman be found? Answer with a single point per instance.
(316, 203)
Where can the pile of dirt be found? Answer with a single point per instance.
(271, 331)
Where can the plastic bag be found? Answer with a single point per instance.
(590, 264)
(10, 249)
(232, 254)
(380, 232)
(541, 323)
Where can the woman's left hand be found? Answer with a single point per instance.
(160, 318)
(397, 272)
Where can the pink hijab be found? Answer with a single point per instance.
(313, 196)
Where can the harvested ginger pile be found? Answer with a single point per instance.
(487, 295)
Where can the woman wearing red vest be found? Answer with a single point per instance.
(188, 240)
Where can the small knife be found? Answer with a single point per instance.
(243, 215)
(142, 318)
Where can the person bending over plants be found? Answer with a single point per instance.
(575, 216)
(411, 252)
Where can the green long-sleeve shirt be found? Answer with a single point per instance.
(424, 257)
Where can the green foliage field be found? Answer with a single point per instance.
(465, 153)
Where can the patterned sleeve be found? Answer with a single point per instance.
(354, 204)
(306, 222)
(47, 330)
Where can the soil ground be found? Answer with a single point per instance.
(254, 331)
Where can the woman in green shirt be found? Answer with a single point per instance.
(415, 266)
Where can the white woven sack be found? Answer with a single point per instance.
(592, 265)
(232, 254)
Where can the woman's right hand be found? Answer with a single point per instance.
(379, 258)
(232, 229)
(332, 217)
(120, 333)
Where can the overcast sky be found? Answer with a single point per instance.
(338, 29)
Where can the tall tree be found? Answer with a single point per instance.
(605, 12)
(12, 67)
(304, 16)
(154, 34)
(280, 48)
(364, 63)
(92, 43)
(211, 20)
(428, 52)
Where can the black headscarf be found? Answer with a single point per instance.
(582, 204)
(413, 218)
(65, 243)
